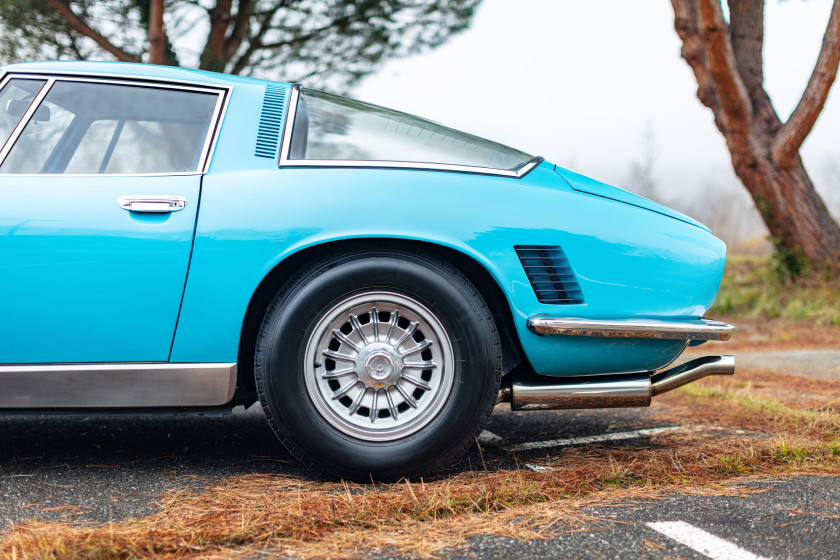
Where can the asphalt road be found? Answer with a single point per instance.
(796, 519)
(811, 363)
(101, 469)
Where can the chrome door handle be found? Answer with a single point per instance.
(151, 203)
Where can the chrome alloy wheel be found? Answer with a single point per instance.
(379, 366)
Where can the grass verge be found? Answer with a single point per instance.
(753, 288)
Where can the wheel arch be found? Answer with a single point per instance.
(482, 279)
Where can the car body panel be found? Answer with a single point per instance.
(584, 184)
(84, 280)
(483, 218)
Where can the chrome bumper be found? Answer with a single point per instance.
(692, 329)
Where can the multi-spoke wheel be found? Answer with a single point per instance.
(379, 366)
(382, 364)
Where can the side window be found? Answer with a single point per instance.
(39, 139)
(89, 156)
(333, 128)
(95, 128)
(15, 98)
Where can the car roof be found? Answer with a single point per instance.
(136, 70)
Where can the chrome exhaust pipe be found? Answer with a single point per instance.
(600, 392)
(613, 391)
(684, 374)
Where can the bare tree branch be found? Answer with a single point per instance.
(746, 26)
(694, 51)
(64, 10)
(241, 26)
(300, 39)
(801, 121)
(731, 91)
(255, 42)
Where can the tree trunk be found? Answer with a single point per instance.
(213, 56)
(157, 38)
(726, 60)
(798, 220)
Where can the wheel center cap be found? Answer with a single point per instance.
(379, 365)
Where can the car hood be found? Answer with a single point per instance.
(582, 183)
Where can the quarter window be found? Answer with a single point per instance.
(95, 128)
(329, 127)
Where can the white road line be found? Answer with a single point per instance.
(615, 436)
(538, 468)
(705, 543)
(486, 436)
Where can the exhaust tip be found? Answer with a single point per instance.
(690, 371)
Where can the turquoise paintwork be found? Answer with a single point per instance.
(84, 280)
(588, 185)
(630, 262)
(633, 258)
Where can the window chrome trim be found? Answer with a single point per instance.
(222, 102)
(24, 120)
(80, 75)
(284, 160)
(163, 174)
(4, 79)
(289, 123)
(208, 147)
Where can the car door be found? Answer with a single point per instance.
(99, 191)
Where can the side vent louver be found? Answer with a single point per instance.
(551, 275)
(271, 119)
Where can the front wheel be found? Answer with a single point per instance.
(378, 364)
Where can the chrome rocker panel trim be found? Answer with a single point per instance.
(697, 329)
(134, 385)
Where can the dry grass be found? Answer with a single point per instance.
(764, 424)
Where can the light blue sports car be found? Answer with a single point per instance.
(182, 240)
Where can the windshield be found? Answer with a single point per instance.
(329, 127)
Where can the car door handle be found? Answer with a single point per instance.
(151, 203)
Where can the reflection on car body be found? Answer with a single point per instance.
(181, 240)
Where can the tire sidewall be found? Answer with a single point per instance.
(447, 295)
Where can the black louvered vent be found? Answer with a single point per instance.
(550, 274)
(271, 119)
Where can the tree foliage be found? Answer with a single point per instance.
(332, 42)
(726, 57)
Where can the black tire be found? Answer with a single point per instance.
(441, 409)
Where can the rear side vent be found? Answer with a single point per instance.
(271, 119)
(551, 275)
